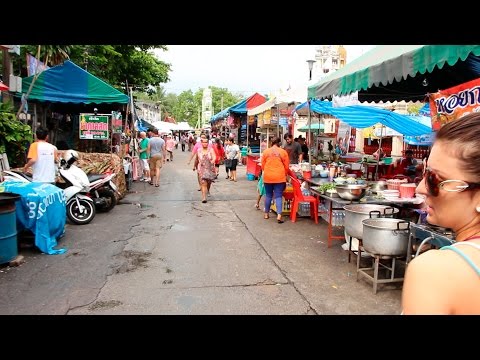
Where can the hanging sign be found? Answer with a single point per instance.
(94, 127)
(455, 102)
(117, 122)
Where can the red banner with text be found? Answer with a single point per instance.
(455, 102)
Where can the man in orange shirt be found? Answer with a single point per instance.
(42, 157)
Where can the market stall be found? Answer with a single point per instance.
(401, 72)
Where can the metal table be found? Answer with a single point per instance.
(436, 236)
(337, 203)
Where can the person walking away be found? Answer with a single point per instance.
(143, 145)
(227, 162)
(219, 155)
(206, 168)
(447, 281)
(191, 141)
(157, 152)
(293, 149)
(183, 141)
(275, 165)
(170, 145)
(42, 157)
(232, 154)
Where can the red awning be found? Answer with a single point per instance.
(3, 87)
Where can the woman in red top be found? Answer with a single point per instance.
(219, 155)
(275, 165)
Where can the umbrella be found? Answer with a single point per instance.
(312, 127)
(3, 87)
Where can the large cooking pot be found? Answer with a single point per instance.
(355, 213)
(388, 237)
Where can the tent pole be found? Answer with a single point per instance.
(247, 131)
(309, 125)
(278, 121)
(379, 152)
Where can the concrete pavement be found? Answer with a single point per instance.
(161, 251)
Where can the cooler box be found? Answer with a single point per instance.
(253, 167)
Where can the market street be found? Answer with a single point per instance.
(161, 251)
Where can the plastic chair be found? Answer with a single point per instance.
(298, 198)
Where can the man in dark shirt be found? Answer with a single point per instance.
(293, 149)
(301, 141)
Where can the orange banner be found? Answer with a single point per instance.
(455, 102)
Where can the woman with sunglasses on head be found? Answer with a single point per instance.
(447, 281)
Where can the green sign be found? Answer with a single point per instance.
(94, 127)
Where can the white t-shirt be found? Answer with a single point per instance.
(44, 166)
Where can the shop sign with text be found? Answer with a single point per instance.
(94, 127)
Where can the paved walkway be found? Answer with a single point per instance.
(161, 251)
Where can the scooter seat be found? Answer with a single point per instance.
(25, 175)
(95, 177)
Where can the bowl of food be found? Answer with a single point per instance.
(351, 191)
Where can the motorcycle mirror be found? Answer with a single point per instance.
(71, 160)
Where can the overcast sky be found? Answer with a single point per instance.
(244, 69)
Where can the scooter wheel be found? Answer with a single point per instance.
(80, 215)
(110, 199)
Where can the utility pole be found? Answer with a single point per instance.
(198, 120)
(7, 70)
(221, 102)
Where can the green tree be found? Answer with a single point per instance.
(414, 109)
(222, 95)
(14, 136)
(119, 65)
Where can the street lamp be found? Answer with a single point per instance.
(310, 67)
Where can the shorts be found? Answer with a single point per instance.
(145, 165)
(234, 164)
(156, 161)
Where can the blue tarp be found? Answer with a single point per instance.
(361, 116)
(425, 110)
(42, 210)
(221, 115)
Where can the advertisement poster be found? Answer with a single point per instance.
(117, 122)
(455, 102)
(94, 127)
(329, 126)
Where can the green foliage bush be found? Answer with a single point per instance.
(15, 136)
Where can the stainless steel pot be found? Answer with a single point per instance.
(356, 213)
(387, 237)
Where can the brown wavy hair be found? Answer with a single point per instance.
(463, 137)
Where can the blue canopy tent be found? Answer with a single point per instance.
(361, 116)
(220, 115)
(69, 83)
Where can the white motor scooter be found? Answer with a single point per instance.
(80, 207)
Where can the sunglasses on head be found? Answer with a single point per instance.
(434, 184)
